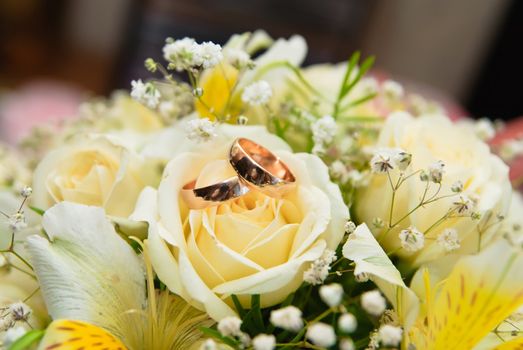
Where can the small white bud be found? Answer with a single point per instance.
(20, 311)
(17, 221)
(350, 226)
(26, 192)
(321, 334)
(264, 342)
(449, 239)
(347, 344)
(393, 90)
(390, 335)
(198, 92)
(209, 344)
(288, 318)
(411, 239)
(373, 302)
(435, 171)
(331, 294)
(457, 187)
(230, 326)
(347, 323)
(403, 160)
(361, 277)
(464, 205)
(242, 120)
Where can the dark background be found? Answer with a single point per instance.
(468, 49)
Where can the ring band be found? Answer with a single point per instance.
(208, 196)
(260, 168)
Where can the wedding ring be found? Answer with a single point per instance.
(208, 196)
(260, 168)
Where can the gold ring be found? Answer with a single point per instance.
(208, 196)
(260, 168)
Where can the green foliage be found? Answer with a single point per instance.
(27, 340)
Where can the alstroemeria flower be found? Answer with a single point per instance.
(94, 286)
(369, 257)
(462, 307)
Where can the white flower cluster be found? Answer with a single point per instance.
(257, 94)
(412, 239)
(386, 159)
(146, 93)
(320, 268)
(186, 54)
(200, 129)
(323, 132)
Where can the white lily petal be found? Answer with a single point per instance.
(365, 251)
(87, 271)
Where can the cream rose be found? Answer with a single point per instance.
(92, 170)
(467, 159)
(251, 245)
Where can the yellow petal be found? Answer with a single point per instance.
(217, 85)
(74, 335)
(515, 344)
(480, 292)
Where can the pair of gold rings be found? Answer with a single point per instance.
(256, 167)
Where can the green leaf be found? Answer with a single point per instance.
(238, 305)
(256, 312)
(39, 211)
(359, 101)
(213, 333)
(28, 339)
(365, 66)
(351, 63)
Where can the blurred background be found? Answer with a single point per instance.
(467, 51)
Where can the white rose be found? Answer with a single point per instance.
(251, 245)
(91, 170)
(466, 158)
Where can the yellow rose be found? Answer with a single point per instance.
(254, 244)
(92, 170)
(486, 189)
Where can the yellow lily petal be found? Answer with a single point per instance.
(480, 292)
(217, 85)
(516, 344)
(75, 335)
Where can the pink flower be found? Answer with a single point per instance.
(37, 103)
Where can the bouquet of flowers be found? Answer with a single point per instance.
(240, 201)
